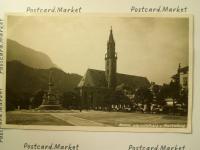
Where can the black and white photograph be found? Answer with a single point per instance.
(109, 72)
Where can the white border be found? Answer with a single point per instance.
(110, 129)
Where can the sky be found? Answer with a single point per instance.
(151, 47)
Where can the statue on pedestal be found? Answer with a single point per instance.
(50, 102)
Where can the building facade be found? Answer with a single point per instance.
(182, 77)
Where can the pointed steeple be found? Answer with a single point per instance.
(111, 39)
(111, 62)
(179, 67)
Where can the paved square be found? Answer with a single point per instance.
(94, 118)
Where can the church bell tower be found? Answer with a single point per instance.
(111, 62)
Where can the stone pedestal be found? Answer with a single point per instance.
(50, 102)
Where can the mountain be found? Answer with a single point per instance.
(27, 56)
(22, 78)
(23, 82)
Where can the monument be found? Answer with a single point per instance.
(50, 101)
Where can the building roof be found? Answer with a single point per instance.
(184, 69)
(96, 78)
(111, 39)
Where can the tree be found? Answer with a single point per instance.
(37, 98)
(184, 97)
(11, 100)
(144, 96)
(120, 98)
(70, 100)
(15, 99)
(163, 94)
(175, 90)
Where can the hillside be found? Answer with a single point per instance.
(23, 82)
(28, 56)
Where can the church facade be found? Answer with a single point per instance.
(97, 86)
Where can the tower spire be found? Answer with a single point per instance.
(179, 67)
(111, 39)
(111, 62)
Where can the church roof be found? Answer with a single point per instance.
(96, 78)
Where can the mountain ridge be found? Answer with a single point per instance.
(17, 71)
(28, 56)
(24, 82)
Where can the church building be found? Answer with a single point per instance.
(96, 86)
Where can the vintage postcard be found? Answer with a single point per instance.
(94, 72)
